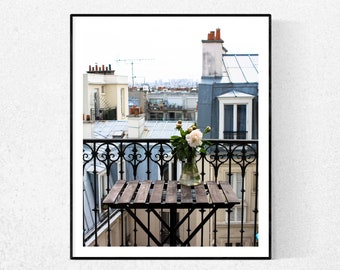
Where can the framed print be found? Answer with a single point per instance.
(170, 136)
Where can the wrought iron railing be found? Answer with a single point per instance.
(106, 161)
(109, 113)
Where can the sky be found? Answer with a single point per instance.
(163, 47)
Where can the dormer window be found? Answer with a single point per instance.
(235, 116)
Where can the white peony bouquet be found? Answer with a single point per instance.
(190, 142)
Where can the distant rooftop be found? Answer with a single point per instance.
(152, 129)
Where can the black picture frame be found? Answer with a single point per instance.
(77, 250)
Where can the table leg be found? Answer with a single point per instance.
(173, 229)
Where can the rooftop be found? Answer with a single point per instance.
(152, 129)
(237, 68)
(240, 68)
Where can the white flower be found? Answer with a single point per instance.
(194, 138)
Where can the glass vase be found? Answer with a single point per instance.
(190, 175)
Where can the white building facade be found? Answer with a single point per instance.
(105, 95)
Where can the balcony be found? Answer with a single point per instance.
(107, 161)
(170, 107)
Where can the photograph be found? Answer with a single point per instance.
(170, 136)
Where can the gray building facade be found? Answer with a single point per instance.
(228, 92)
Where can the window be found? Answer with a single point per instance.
(235, 121)
(96, 103)
(254, 184)
(190, 116)
(175, 116)
(102, 182)
(235, 115)
(99, 174)
(236, 214)
(236, 183)
(171, 116)
(178, 116)
(122, 100)
(156, 116)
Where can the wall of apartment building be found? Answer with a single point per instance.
(113, 92)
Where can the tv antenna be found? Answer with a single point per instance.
(132, 61)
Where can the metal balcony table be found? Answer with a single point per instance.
(130, 195)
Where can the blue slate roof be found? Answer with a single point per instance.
(152, 129)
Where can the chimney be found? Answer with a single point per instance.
(211, 35)
(218, 34)
(96, 69)
(212, 55)
(136, 125)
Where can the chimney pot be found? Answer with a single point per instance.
(218, 34)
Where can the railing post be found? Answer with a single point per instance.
(215, 231)
(121, 155)
(135, 230)
(108, 166)
(202, 231)
(148, 152)
(188, 229)
(229, 211)
(95, 198)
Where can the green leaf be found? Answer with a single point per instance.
(202, 150)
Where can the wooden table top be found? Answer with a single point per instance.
(170, 194)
